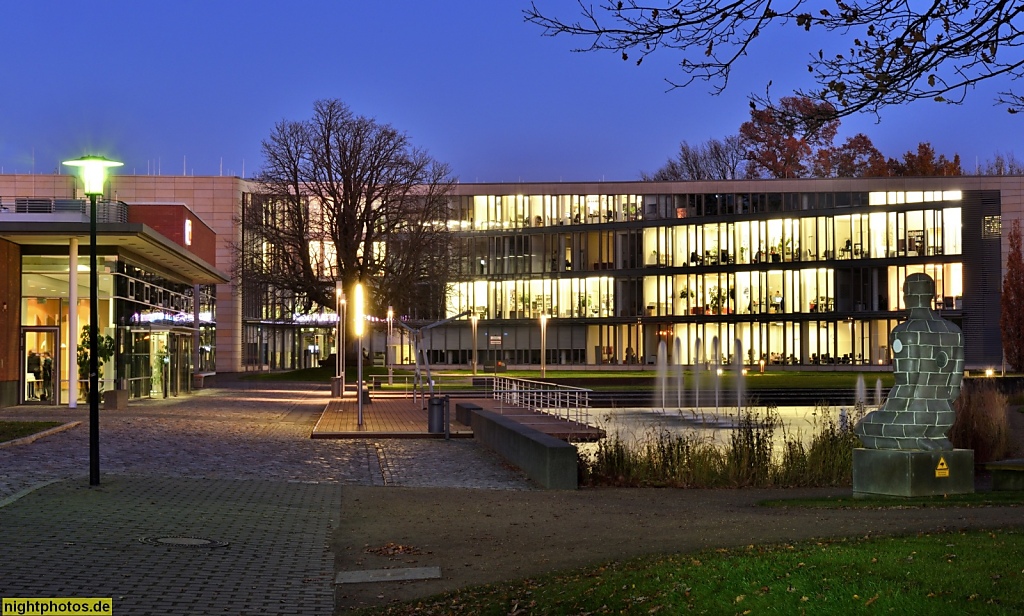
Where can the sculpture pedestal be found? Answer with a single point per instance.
(891, 472)
(115, 399)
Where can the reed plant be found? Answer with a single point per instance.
(750, 458)
(828, 459)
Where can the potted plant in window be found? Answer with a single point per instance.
(718, 300)
(715, 301)
(524, 306)
(105, 350)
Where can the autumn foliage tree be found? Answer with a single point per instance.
(796, 140)
(857, 157)
(783, 141)
(925, 162)
(1011, 319)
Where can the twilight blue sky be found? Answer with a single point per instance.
(195, 85)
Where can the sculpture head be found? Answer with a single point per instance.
(918, 291)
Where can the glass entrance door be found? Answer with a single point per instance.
(40, 362)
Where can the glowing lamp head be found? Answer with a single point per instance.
(360, 318)
(93, 172)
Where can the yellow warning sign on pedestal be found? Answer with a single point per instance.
(942, 470)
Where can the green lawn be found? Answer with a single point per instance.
(605, 379)
(976, 499)
(942, 573)
(308, 375)
(10, 430)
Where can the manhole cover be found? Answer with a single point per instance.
(184, 542)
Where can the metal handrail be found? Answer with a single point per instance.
(107, 211)
(563, 401)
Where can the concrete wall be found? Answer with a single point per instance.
(549, 461)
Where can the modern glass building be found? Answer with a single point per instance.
(157, 306)
(792, 272)
(803, 273)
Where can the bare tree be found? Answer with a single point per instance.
(1003, 164)
(345, 198)
(715, 159)
(893, 51)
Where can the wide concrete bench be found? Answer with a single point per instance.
(202, 379)
(1007, 474)
(549, 461)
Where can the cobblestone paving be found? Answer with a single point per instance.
(243, 434)
(69, 540)
(230, 464)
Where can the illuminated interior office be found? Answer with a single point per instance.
(792, 273)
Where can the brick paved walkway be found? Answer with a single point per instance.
(234, 465)
(404, 417)
(387, 416)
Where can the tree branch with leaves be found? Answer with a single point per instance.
(893, 51)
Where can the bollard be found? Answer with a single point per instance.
(435, 415)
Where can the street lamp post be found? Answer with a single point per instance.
(473, 319)
(94, 172)
(344, 360)
(359, 327)
(339, 359)
(543, 343)
(387, 345)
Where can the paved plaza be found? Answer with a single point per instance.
(218, 502)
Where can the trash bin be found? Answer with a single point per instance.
(435, 415)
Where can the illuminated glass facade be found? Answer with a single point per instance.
(278, 332)
(806, 276)
(149, 318)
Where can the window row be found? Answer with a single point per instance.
(483, 212)
(814, 342)
(877, 235)
(773, 291)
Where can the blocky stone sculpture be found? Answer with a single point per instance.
(928, 354)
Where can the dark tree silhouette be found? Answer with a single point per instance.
(715, 159)
(345, 198)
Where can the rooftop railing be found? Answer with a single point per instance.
(53, 209)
